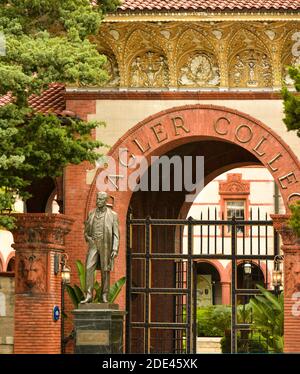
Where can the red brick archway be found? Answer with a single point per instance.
(166, 130)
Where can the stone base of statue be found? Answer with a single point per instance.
(98, 328)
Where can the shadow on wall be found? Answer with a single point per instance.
(7, 303)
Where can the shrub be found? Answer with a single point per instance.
(254, 344)
(213, 320)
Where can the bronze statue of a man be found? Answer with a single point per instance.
(102, 235)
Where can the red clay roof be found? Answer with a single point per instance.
(210, 5)
(5, 99)
(51, 100)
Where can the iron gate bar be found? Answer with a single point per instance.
(222, 228)
(241, 326)
(181, 291)
(266, 236)
(258, 239)
(244, 230)
(190, 259)
(147, 289)
(208, 231)
(128, 280)
(177, 291)
(201, 235)
(240, 291)
(189, 285)
(194, 329)
(215, 230)
(194, 222)
(165, 325)
(233, 287)
(164, 256)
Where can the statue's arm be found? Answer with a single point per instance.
(116, 234)
(87, 229)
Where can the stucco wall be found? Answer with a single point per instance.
(7, 302)
(121, 115)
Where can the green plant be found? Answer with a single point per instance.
(268, 314)
(46, 41)
(254, 343)
(292, 103)
(77, 293)
(295, 219)
(212, 321)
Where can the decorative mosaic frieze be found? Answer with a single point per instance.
(149, 69)
(111, 66)
(224, 54)
(250, 69)
(200, 69)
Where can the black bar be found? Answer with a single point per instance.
(208, 231)
(258, 235)
(251, 238)
(244, 229)
(175, 291)
(194, 330)
(247, 292)
(166, 256)
(243, 326)
(169, 325)
(266, 236)
(201, 234)
(189, 285)
(173, 222)
(147, 294)
(215, 231)
(233, 288)
(222, 234)
(182, 291)
(128, 285)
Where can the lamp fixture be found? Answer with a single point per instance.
(247, 268)
(66, 270)
(277, 275)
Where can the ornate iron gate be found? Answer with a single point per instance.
(162, 255)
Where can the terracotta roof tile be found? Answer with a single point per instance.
(5, 99)
(165, 5)
(51, 100)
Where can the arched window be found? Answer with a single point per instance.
(209, 290)
(249, 275)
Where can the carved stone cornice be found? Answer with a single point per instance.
(41, 231)
(202, 16)
(234, 185)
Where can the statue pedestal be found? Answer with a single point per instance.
(98, 328)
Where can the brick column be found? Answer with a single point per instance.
(291, 249)
(226, 296)
(37, 239)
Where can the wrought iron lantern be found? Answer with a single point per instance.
(277, 275)
(66, 271)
